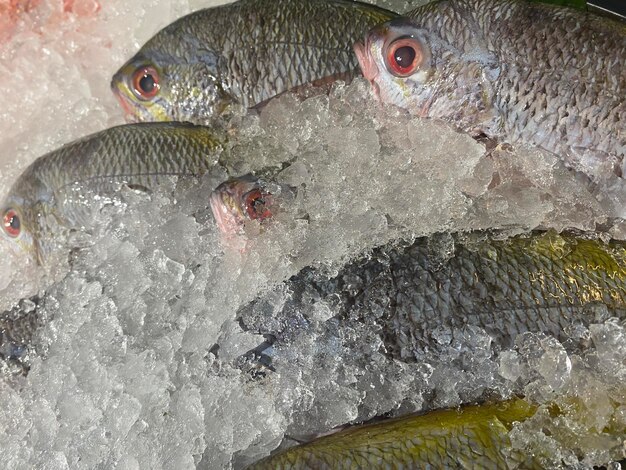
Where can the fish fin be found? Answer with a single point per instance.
(321, 86)
(140, 188)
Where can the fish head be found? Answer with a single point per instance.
(19, 228)
(157, 86)
(239, 201)
(397, 59)
(30, 223)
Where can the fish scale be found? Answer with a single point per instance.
(472, 437)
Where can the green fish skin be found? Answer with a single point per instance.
(54, 194)
(242, 53)
(469, 437)
(418, 298)
(514, 70)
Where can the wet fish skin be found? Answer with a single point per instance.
(418, 298)
(244, 53)
(17, 327)
(54, 193)
(470, 437)
(514, 70)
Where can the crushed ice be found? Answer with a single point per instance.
(138, 365)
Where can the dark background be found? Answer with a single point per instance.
(616, 6)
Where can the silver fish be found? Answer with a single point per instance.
(242, 54)
(514, 70)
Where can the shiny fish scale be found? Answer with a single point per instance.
(321, 53)
(156, 149)
(474, 437)
(555, 76)
(532, 290)
(567, 100)
(541, 283)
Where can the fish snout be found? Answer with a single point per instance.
(227, 213)
(238, 201)
(121, 92)
(367, 62)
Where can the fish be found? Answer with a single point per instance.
(516, 71)
(55, 193)
(413, 292)
(244, 205)
(17, 327)
(212, 61)
(238, 200)
(472, 436)
(43, 14)
(419, 296)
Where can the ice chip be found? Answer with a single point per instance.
(510, 367)
(554, 365)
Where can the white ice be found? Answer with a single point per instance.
(124, 372)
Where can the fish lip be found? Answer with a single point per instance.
(227, 222)
(368, 66)
(130, 112)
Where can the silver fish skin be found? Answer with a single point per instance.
(242, 54)
(515, 70)
(54, 194)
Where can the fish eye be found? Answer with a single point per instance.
(146, 83)
(11, 223)
(256, 203)
(404, 56)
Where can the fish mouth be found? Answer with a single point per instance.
(228, 215)
(368, 66)
(118, 89)
(127, 107)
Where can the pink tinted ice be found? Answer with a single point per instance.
(47, 12)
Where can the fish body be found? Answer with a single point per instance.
(513, 70)
(414, 294)
(242, 53)
(55, 192)
(469, 437)
(420, 297)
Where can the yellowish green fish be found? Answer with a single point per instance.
(419, 299)
(468, 437)
(419, 296)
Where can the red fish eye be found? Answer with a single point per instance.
(11, 223)
(257, 204)
(404, 56)
(146, 82)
